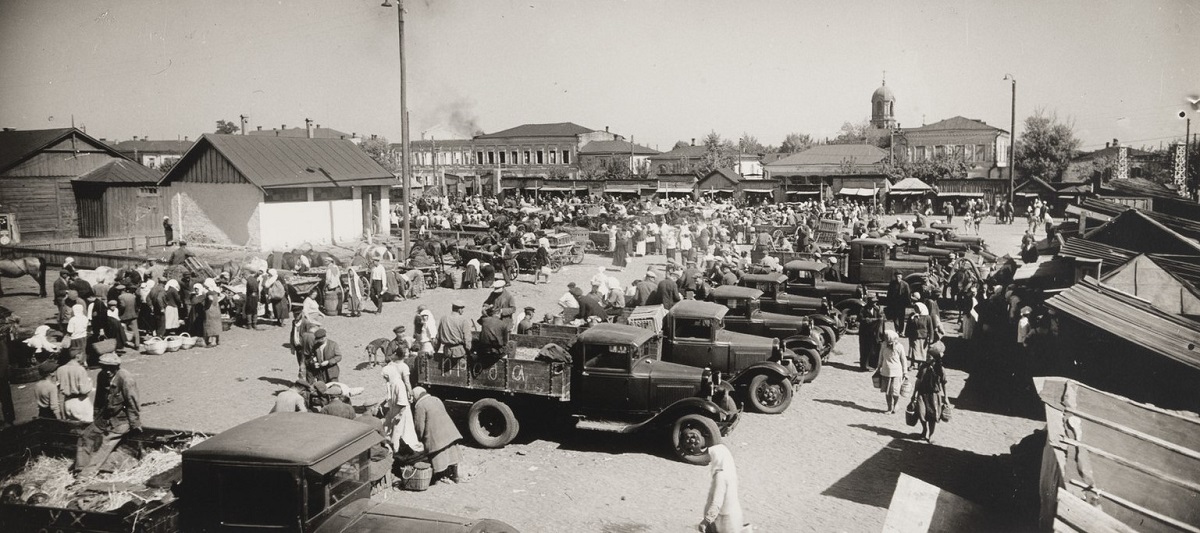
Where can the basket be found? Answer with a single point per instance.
(415, 477)
(187, 341)
(105, 346)
(174, 343)
(155, 346)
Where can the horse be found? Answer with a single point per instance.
(25, 266)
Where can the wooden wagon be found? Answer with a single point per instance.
(565, 248)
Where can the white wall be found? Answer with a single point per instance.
(222, 213)
(287, 225)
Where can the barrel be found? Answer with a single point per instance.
(331, 302)
(455, 275)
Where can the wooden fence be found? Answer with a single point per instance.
(91, 253)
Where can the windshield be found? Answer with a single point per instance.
(609, 356)
(325, 491)
(250, 496)
(753, 306)
(804, 277)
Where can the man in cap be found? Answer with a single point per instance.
(870, 333)
(667, 293)
(898, 299)
(690, 281)
(46, 392)
(569, 304)
(644, 288)
(832, 273)
(454, 332)
(292, 399)
(339, 403)
(526, 323)
(181, 254)
(590, 306)
(323, 365)
(117, 413)
(727, 276)
(493, 334)
(501, 300)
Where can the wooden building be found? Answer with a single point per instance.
(267, 192)
(38, 169)
(120, 198)
(824, 170)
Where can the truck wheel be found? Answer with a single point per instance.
(808, 364)
(770, 395)
(491, 423)
(694, 432)
(829, 337)
(850, 317)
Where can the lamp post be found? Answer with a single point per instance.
(1012, 141)
(406, 162)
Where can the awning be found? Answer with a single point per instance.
(895, 192)
(717, 191)
(759, 191)
(1049, 268)
(960, 195)
(631, 189)
(803, 193)
(556, 188)
(1027, 194)
(856, 191)
(677, 190)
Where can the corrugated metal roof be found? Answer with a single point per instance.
(1185, 232)
(121, 171)
(833, 154)
(318, 133)
(958, 123)
(557, 129)
(271, 162)
(18, 145)
(615, 147)
(1185, 268)
(1132, 319)
(681, 152)
(910, 184)
(145, 146)
(1110, 256)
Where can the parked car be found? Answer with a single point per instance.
(777, 298)
(797, 333)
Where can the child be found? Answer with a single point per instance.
(48, 400)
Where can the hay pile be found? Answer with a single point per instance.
(52, 476)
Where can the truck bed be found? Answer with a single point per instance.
(56, 438)
(505, 374)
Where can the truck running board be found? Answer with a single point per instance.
(610, 426)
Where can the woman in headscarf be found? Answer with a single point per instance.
(931, 391)
(919, 330)
(723, 511)
(437, 433)
(892, 364)
(397, 416)
(275, 296)
(77, 332)
(212, 313)
(40, 343)
(174, 302)
(620, 247)
(425, 331)
(196, 313)
(471, 274)
(354, 293)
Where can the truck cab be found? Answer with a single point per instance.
(296, 472)
(807, 278)
(797, 333)
(871, 263)
(694, 335)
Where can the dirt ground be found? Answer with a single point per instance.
(829, 463)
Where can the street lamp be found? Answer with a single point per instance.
(1012, 141)
(406, 162)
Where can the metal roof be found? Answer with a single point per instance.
(149, 146)
(1146, 225)
(910, 184)
(1110, 256)
(958, 123)
(833, 154)
(760, 278)
(698, 309)
(1185, 268)
(318, 133)
(557, 129)
(734, 291)
(18, 145)
(616, 147)
(272, 162)
(297, 439)
(606, 333)
(121, 171)
(1132, 319)
(1186, 227)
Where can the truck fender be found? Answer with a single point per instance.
(823, 320)
(686, 406)
(770, 368)
(802, 341)
(850, 305)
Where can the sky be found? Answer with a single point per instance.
(656, 71)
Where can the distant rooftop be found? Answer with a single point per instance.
(834, 154)
(152, 146)
(318, 133)
(616, 147)
(557, 129)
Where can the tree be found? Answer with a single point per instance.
(796, 142)
(227, 127)
(167, 166)
(942, 166)
(378, 148)
(718, 153)
(748, 144)
(852, 132)
(1046, 147)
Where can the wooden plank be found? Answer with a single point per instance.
(918, 506)
(1182, 526)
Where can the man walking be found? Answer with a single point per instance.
(378, 285)
(493, 335)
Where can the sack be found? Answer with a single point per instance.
(877, 379)
(946, 412)
(905, 387)
(275, 292)
(910, 413)
(416, 477)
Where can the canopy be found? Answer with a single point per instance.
(803, 193)
(856, 191)
(621, 188)
(911, 184)
(759, 191)
(949, 194)
(1027, 194)
(674, 190)
(910, 192)
(554, 188)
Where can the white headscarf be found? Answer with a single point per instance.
(39, 342)
(921, 309)
(171, 283)
(396, 390)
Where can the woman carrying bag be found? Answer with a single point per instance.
(930, 397)
(892, 364)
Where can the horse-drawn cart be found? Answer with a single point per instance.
(565, 249)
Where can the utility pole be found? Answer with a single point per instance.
(406, 154)
(1012, 141)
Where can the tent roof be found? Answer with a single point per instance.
(911, 184)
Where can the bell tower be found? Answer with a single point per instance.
(883, 103)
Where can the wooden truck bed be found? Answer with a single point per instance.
(505, 374)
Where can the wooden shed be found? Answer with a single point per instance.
(120, 198)
(37, 168)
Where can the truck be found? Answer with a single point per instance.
(615, 381)
(797, 333)
(762, 372)
(777, 297)
(288, 472)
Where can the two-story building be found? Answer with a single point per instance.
(154, 153)
(982, 147)
(829, 169)
(601, 154)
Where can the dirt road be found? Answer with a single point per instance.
(829, 463)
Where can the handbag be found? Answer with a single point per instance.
(910, 412)
(947, 411)
(905, 387)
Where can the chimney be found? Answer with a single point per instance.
(372, 136)
(308, 125)
(693, 141)
(606, 129)
(1106, 144)
(1115, 143)
(244, 121)
(135, 137)
(185, 137)
(260, 128)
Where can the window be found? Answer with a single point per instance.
(526, 160)
(939, 151)
(566, 159)
(332, 193)
(767, 287)
(286, 194)
(553, 154)
(325, 491)
(541, 157)
(240, 499)
(513, 157)
(693, 328)
(873, 252)
(147, 192)
(609, 357)
(478, 158)
(502, 157)
(981, 152)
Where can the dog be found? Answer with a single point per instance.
(378, 348)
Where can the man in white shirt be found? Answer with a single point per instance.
(378, 285)
(568, 303)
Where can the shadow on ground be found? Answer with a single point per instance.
(997, 381)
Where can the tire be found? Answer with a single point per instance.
(555, 265)
(829, 337)
(693, 428)
(808, 364)
(492, 423)
(850, 317)
(577, 253)
(769, 395)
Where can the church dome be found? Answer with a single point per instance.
(883, 94)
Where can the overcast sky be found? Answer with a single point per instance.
(659, 71)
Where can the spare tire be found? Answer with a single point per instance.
(492, 423)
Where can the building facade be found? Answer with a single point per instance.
(983, 148)
(154, 153)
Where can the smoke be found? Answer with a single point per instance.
(459, 117)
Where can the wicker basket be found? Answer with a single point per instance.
(188, 341)
(415, 477)
(174, 343)
(154, 346)
(105, 346)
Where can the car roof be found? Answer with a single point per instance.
(872, 241)
(928, 231)
(802, 264)
(772, 277)
(288, 439)
(907, 235)
(734, 291)
(698, 309)
(606, 333)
